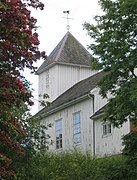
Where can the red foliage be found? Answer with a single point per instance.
(18, 50)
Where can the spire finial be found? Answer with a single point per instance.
(67, 12)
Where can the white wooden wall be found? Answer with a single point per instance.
(111, 143)
(104, 145)
(99, 102)
(85, 109)
(61, 78)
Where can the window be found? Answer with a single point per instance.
(76, 128)
(58, 129)
(106, 129)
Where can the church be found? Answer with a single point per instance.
(76, 109)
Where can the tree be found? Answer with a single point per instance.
(80, 166)
(114, 50)
(35, 143)
(18, 50)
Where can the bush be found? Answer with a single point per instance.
(76, 166)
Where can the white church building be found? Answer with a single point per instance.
(77, 107)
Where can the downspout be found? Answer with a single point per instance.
(94, 142)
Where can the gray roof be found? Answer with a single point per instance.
(98, 113)
(68, 51)
(78, 90)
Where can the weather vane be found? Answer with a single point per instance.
(67, 12)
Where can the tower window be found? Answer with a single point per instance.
(47, 78)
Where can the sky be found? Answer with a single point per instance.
(52, 25)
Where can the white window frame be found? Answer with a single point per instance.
(76, 127)
(107, 129)
(58, 133)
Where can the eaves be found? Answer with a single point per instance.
(64, 106)
(96, 117)
(60, 63)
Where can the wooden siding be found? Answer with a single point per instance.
(61, 78)
(92, 140)
(112, 143)
(66, 115)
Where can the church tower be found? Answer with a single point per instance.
(67, 64)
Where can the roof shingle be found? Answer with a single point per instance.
(68, 51)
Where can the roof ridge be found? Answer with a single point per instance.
(80, 44)
(62, 45)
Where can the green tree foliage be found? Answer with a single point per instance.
(35, 142)
(130, 144)
(114, 49)
(77, 166)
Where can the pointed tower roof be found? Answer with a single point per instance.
(69, 51)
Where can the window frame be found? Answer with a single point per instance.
(77, 127)
(107, 129)
(58, 134)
